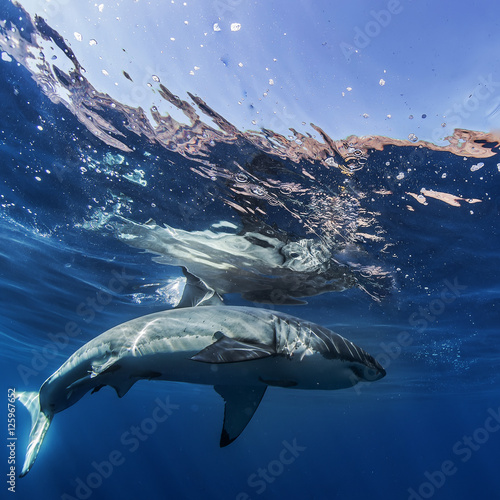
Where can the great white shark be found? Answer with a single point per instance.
(238, 350)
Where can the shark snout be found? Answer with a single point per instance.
(374, 371)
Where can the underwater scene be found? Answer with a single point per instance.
(250, 250)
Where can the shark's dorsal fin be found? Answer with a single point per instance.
(240, 406)
(198, 293)
(227, 350)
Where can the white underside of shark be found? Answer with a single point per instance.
(239, 350)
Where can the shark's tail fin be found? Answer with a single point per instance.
(40, 423)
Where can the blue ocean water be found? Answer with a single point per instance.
(429, 429)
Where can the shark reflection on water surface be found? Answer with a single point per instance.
(261, 264)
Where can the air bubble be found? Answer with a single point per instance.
(257, 190)
(285, 190)
(241, 178)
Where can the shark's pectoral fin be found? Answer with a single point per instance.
(227, 350)
(241, 403)
(198, 293)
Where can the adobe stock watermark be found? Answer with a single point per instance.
(260, 479)
(42, 356)
(363, 36)
(224, 6)
(281, 119)
(463, 450)
(419, 320)
(130, 440)
(485, 89)
(51, 8)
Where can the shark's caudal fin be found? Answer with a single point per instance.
(40, 422)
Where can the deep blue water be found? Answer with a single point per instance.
(430, 426)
